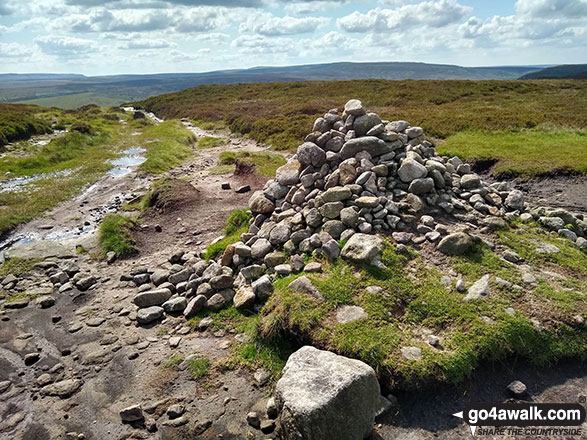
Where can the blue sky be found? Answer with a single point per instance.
(97, 37)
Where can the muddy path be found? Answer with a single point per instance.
(99, 361)
(90, 349)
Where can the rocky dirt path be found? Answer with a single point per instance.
(68, 368)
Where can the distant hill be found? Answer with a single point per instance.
(70, 91)
(564, 71)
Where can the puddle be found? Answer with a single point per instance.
(18, 184)
(130, 158)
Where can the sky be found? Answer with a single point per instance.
(104, 37)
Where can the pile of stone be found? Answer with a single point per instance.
(354, 176)
(184, 285)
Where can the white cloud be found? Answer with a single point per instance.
(145, 43)
(426, 14)
(552, 8)
(64, 45)
(263, 45)
(270, 25)
(310, 7)
(14, 50)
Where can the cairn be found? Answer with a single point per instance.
(355, 176)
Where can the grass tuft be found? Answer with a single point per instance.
(210, 142)
(236, 224)
(115, 236)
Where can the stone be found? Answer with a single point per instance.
(253, 419)
(336, 194)
(304, 285)
(411, 169)
(252, 272)
(517, 389)
(259, 204)
(175, 305)
(31, 358)
(260, 248)
(363, 249)
(132, 414)
(149, 314)
(367, 202)
(263, 287)
(479, 290)
(421, 186)
(455, 244)
(46, 301)
(324, 396)
(512, 257)
(469, 181)
(363, 123)
(85, 283)
(354, 107)
(243, 189)
(244, 298)
(175, 411)
(311, 154)
(152, 298)
(159, 276)
(331, 210)
(64, 388)
(313, 267)
(334, 228)
(216, 302)
(349, 216)
(346, 313)
(288, 174)
(41, 249)
(194, 306)
(515, 200)
(220, 282)
(412, 353)
(371, 144)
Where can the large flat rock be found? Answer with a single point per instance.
(40, 249)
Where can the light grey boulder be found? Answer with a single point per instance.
(362, 124)
(159, 276)
(152, 298)
(304, 285)
(363, 249)
(150, 314)
(260, 248)
(411, 169)
(311, 154)
(288, 174)
(354, 107)
(455, 244)
(421, 186)
(479, 290)
(194, 306)
(263, 287)
(175, 305)
(346, 314)
(373, 145)
(323, 396)
(259, 204)
(244, 298)
(470, 181)
(515, 200)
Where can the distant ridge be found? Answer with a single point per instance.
(564, 71)
(71, 91)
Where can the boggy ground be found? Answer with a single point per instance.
(90, 341)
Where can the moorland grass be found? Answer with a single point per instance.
(266, 163)
(19, 122)
(526, 153)
(114, 235)
(17, 266)
(167, 144)
(210, 142)
(282, 114)
(471, 331)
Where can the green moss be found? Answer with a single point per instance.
(173, 361)
(199, 367)
(114, 235)
(526, 238)
(17, 266)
